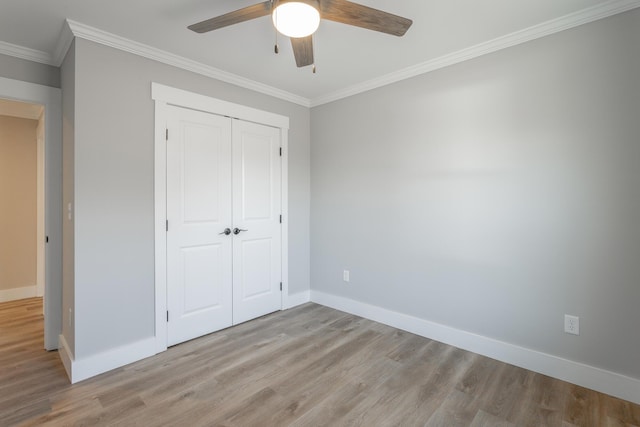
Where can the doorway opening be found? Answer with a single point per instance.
(22, 248)
(50, 127)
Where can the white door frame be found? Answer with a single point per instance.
(164, 96)
(51, 99)
(41, 245)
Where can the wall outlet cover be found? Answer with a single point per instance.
(345, 275)
(572, 324)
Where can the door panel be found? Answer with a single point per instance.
(200, 264)
(201, 183)
(256, 209)
(199, 258)
(257, 177)
(258, 254)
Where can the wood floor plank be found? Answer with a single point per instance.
(543, 405)
(582, 407)
(507, 393)
(333, 410)
(483, 419)
(431, 403)
(620, 410)
(457, 409)
(476, 379)
(305, 367)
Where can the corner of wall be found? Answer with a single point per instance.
(299, 298)
(66, 356)
(68, 77)
(87, 367)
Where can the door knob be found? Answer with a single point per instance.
(238, 230)
(226, 231)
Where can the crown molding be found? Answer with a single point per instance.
(553, 26)
(64, 43)
(73, 29)
(25, 53)
(102, 37)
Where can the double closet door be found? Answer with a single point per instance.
(223, 222)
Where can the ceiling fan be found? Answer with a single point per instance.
(299, 19)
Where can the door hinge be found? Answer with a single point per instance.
(167, 225)
(280, 151)
(280, 219)
(280, 286)
(167, 315)
(166, 134)
(46, 239)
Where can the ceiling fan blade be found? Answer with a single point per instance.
(350, 13)
(303, 50)
(241, 15)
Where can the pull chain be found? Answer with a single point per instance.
(315, 51)
(276, 49)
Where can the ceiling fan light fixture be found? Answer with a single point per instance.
(296, 19)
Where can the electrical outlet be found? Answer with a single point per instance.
(572, 324)
(345, 275)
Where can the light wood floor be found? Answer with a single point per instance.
(309, 366)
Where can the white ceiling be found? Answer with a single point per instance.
(345, 56)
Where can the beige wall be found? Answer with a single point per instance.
(18, 153)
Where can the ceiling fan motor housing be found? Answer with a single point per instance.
(313, 3)
(296, 18)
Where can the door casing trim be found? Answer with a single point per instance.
(164, 96)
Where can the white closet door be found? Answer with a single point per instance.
(199, 257)
(256, 220)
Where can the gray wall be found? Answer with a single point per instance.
(494, 196)
(114, 234)
(28, 71)
(68, 73)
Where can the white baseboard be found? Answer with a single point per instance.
(298, 298)
(607, 382)
(7, 295)
(65, 354)
(87, 367)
